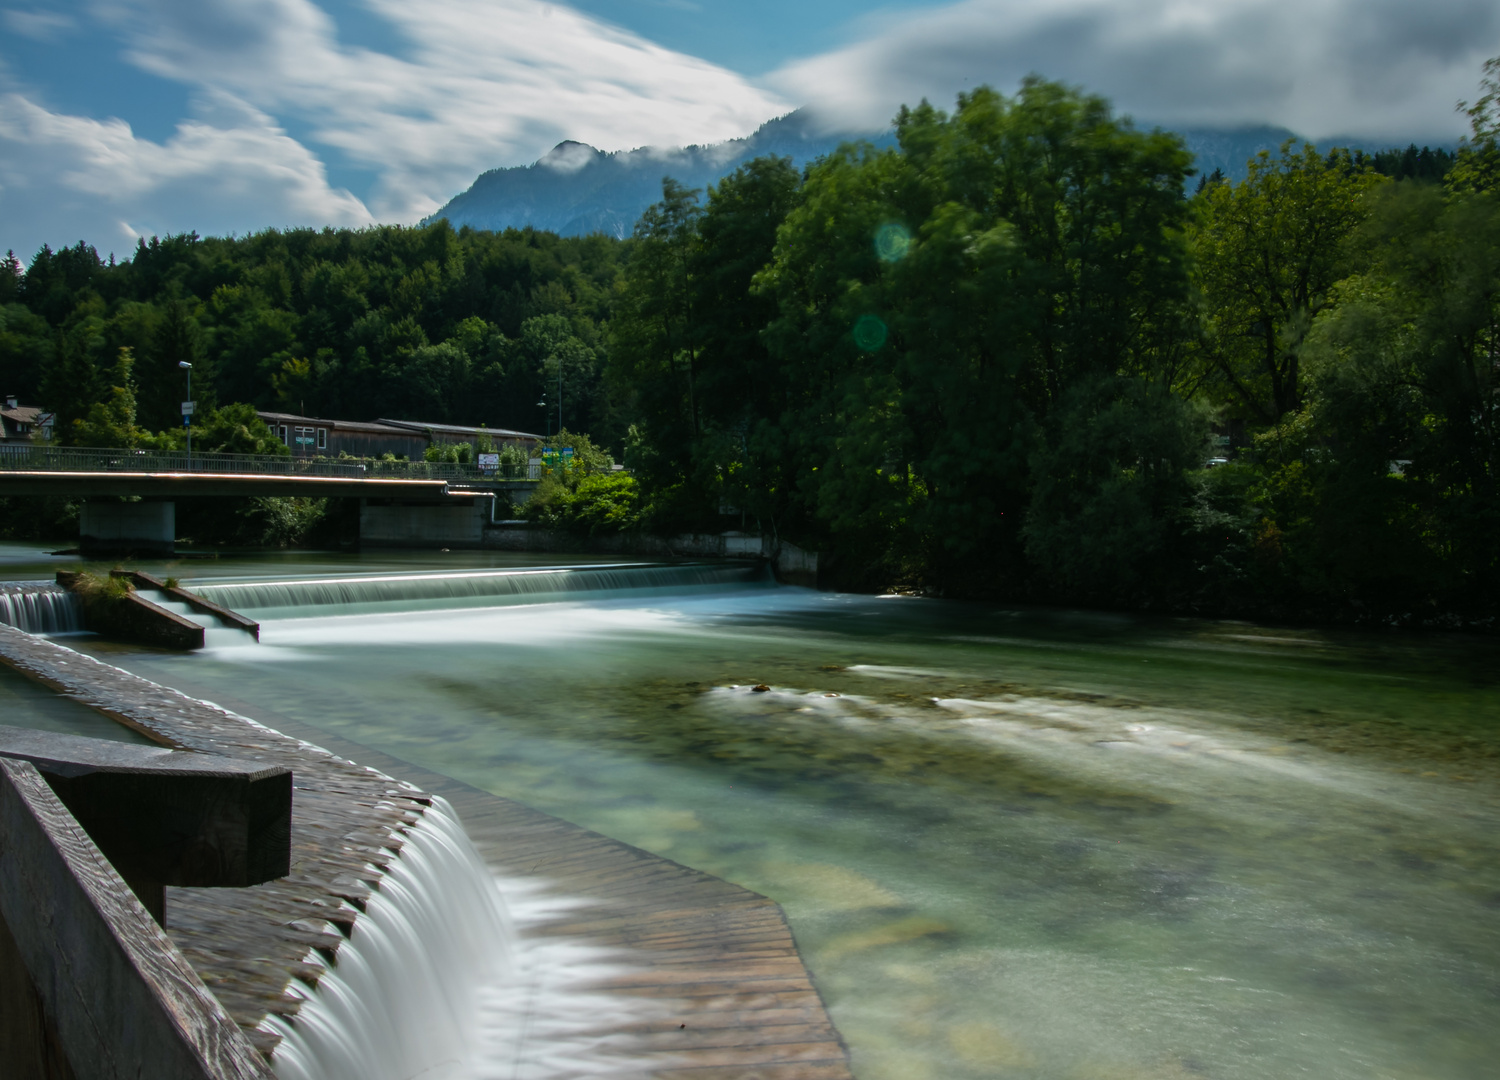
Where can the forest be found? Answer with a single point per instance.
(1026, 353)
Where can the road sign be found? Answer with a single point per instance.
(188, 407)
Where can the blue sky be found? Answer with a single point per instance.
(122, 118)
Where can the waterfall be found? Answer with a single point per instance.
(429, 589)
(40, 608)
(436, 982)
(215, 634)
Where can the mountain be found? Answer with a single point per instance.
(576, 190)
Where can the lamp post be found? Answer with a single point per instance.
(187, 414)
(542, 405)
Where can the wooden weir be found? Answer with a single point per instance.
(734, 1000)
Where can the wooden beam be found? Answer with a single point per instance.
(119, 997)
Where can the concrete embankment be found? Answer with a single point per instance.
(731, 993)
(792, 565)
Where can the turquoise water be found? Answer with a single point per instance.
(1009, 843)
(26, 704)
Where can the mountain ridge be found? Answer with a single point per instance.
(575, 189)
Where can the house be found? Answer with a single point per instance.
(310, 436)
(25, 423)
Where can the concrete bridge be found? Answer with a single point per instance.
(402, 503)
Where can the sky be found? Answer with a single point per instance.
(127, 118)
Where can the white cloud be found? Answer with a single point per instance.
(484, 83)
(1375, 68)
(38, 25)
(64, 178)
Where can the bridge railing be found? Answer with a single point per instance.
(25, 457)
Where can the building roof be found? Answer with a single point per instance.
(458, 429)
(25, 414)
(406, 428)
(363, 426)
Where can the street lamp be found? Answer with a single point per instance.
(187, 410)
(542, 405)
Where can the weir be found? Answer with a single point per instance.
(386, 951)
(396, 592)
(40, 608)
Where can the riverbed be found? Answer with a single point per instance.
(1010, 843)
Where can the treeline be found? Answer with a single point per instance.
(1009, 356)
(997, 358)
(412, 323)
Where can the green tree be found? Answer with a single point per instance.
(1267, 253)
(1406, 368)
(741, 398)
(561, 362)
(938, 303)
(1477, 167)
(112, 421)
(654, 348)
(236, 429)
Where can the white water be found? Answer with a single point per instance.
(437, 981)
(40, 609)
(363, 594)
(215, 634)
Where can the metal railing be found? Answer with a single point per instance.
(30, 458)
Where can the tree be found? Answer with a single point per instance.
(236, 429)
(654, 349)
(742, 396)
(112, 421)
(1267, 253)
(1477, 167)
(10, 278)
(938, 304)
(1406, 368)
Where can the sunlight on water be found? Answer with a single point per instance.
(1060, 846)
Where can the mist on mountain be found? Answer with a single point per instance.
(576, 190)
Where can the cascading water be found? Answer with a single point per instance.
(40, 608)
(395, 592)
(436, 982)
(215, 633)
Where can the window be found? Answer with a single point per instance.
(322, 438)
(284, 438)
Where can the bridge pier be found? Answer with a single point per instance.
(107, 527)
(412, 523)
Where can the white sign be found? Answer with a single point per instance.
(489, 462)
(188, 407)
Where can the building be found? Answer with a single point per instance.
(25, 423)
(309, 436)
(456, 433)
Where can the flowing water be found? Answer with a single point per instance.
(40, 608)
(1061, 846)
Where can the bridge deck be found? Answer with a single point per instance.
(182, 484)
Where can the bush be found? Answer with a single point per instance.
(592, 504)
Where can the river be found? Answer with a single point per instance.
(1015, 843)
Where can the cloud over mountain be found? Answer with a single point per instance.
(467, 84)
(1387, 68)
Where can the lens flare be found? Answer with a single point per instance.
(869, 333)
(892, 241)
